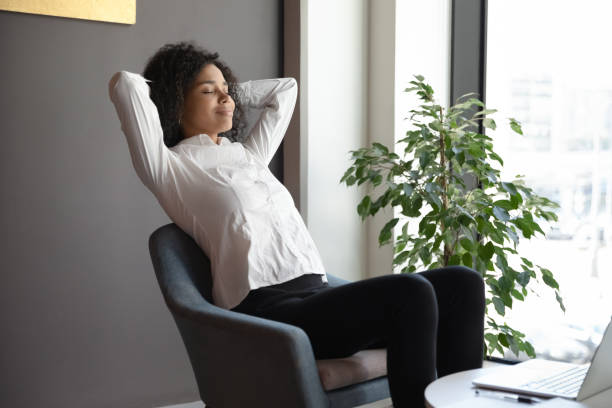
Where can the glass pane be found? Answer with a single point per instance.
(549, 66)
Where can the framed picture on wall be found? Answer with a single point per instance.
(112, 11)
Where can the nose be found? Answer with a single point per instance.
(225, 97)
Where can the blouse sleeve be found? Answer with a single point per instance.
(277, 99)
(140, 123)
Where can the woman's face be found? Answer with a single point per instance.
(207, 107)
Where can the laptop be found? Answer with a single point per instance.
(544, 378)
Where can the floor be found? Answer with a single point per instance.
(386, 403)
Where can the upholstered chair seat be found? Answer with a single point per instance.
(362, 366)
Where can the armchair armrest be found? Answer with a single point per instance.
(224, 344)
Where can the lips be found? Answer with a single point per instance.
(225, 112)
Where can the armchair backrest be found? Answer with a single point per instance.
(181, 267)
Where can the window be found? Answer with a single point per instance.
(547, 65)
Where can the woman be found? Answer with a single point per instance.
(182, 129)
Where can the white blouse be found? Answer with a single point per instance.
(224, 196)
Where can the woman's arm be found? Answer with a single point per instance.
(277, 97)
(140, 123)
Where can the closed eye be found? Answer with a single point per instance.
(209, 92)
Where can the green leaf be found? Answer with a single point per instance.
(528, 348)
(516, 126)
(499, 306)
(467, 259)
(476, 152)
(423, 223)
(387, 231)
(429, 230)
(505, 204)
(513, 345)
(461, 158)
(560, 300)
(517, 294)
(347, 173)
(435, 125)
(501, 214)
(485, 112)
(492, 340)
(548, 279)
(380, 148)
(413, 210)
(363, 208)
(454, 260)
(433, 200)
(424, 159)
(477, 102)
(401, 258)
(513, 235)
(489, 123)
(437, 242)
(485, 252)
(503, 339)
(525, 226)
(377, 180)
(523, 278)
(425, 255)
(516, 199)
(466, 243)
(509, 187)
(408, 189)
(496, 237)
(502, 262)
(505, 285)
(495, 156)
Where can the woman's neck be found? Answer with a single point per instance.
(215, 139)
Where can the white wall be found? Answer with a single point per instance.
(423, 48)
(333, 116)
(381, 116)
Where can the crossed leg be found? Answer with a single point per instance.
(431, 324)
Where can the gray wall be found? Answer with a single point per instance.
(83, 323)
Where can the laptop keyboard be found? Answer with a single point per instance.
(566, 382)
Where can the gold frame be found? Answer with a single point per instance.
(113, 11)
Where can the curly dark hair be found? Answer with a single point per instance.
(172, 71)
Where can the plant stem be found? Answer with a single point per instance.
(447, 249)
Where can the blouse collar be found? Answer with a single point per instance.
(204, 140)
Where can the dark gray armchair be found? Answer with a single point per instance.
(245, 361)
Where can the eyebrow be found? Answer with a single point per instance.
(209, 82)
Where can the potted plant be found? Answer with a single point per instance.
(476, 226)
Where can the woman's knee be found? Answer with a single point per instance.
(413, 290)
(459, 277)
(469, 277)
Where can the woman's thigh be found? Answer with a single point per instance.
(340, 321)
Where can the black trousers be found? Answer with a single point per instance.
(431, 322)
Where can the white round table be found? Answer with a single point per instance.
(457, 387)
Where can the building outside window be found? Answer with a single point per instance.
(548, 66)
